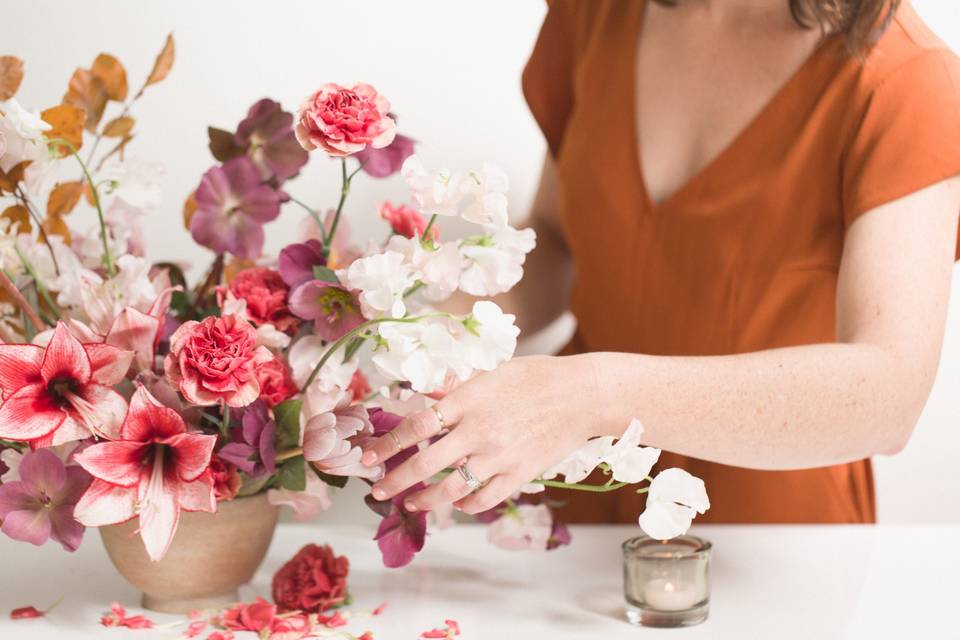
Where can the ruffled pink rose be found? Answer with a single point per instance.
(216, 359)
(265, 293)
(344, 120)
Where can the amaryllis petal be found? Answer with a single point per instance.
(19, 366)
(137, 332)
(158, 495)
(191, 454)
(115, 462)
(198, 495)
(29, 414)
(100, 408)
(108, 364)
(65, 358)
(27, 526)
(104, 503)
(69, 431)
(147, 419)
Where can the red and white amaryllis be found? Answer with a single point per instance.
(154, 469)
(61, 392)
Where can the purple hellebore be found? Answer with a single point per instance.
(334, 309)
(267, 135)
(382, 163)
(253, 449)
(296, 261)
(232, 207)
(40, 505)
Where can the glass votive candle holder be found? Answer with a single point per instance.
(666, 583)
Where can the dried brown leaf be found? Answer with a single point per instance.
(111, 73)
(67, 122)
(8, 181)
(163, 63)
(19, 218)
(189, 208)
(89, 93)
(222, 144)
(11, 74)
(64, 198)
(55, 226)
(118, 127)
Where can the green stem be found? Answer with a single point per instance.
(344, 190)
(420, 284)
(594, 488)
(225, 422)
(426, 232)
(315, 215)
(289, 453)
(107, 257)
(36, 281)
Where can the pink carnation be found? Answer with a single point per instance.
(276, 384)
(265, 293)
(216, 360)
(342, 120)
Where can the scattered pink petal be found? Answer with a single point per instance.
(195, 628)
(451, 630)
(226, 634)
(453, 626)
(380, 609)
(117, 617)
(367, 635)
(24, 613)
(332, 622)
(195, 614)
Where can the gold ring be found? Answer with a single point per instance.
(436, 412)
(396, 440)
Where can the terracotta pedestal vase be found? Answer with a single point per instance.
(211, 555)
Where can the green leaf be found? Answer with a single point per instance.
(287, 416)
(292, 474)
(325, 274)
(334, 481)
(250, 486)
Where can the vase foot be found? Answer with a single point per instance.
(166, 605)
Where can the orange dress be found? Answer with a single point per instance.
(745, 256)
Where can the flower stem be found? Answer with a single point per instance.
(313, 214)
(344, 190)
(289, 453)
(595, 488)
(36, 281)
(426, 232)
(11, 290)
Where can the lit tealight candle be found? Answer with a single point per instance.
(665, 595)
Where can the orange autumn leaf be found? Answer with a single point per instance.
(88, 194)
(8, 181)
(67, 122)
(118, 127)
(189, 208)
(55, 226)
(163, 63)
(112, 75)
(64, 198)
(235, 266)
(11, 74)
(19, 219)
(89, 93)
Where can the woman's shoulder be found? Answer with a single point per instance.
(910, 53)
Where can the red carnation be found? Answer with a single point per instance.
(265, 293)
(276, 384)
(313, 581)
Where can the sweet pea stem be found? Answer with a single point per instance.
(594, 488)
(426, 232)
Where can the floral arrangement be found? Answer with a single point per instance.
(126, 393)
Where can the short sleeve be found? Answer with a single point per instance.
(548, 76)
(909, 135)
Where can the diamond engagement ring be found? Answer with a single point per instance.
(469, 478)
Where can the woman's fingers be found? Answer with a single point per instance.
(498, 489)
(415, 428)
(421, 466)
(453, 487)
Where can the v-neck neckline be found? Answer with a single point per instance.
(728, 150)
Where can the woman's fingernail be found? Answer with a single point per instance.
(368, 457)
(379, 493)
(409, 506)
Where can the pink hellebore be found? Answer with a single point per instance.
(232, 207)
(40, 505)
(334, 309)
(155, 469)
(61, 392)
(296, 261)
(382, 163)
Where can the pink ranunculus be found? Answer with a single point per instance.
(216, 359)
(265, 293)
(344, 120)
(405, 220)
(276, 384)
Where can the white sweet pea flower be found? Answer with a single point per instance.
(130, 287)
(135, 182)
(628, 461)
(488, 200)
(489, 338)
(495, 260)
(524, 527)
(334, 376)
(269, 336)
(674, 498)
(421, 353)
(579, 464)
(21, 132)
(437, 193)
(438, 267)
(382, 279)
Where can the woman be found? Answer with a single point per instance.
(757, 223)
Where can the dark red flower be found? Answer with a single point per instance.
(265, 293)
(276, 384)
(313, 581)
(226, 480)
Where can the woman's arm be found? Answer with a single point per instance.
(796, 407)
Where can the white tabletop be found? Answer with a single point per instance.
(784, 582)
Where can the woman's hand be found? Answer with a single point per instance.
(507, 426)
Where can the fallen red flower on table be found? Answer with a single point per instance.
(117, 617)
(314, 580)
(451, 630)
(25, 613)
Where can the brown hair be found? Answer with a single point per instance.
(862, 22)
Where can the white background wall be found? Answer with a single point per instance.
(451, 70)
